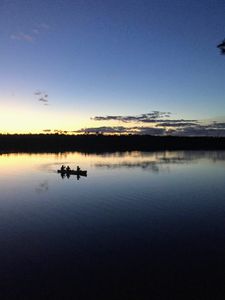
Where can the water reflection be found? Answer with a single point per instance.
(159, 161)
(120, 228)
(42, 187)
(67, 175)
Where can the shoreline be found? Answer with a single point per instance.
(104, 143)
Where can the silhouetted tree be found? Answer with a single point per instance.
(222, 47)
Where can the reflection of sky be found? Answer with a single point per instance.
(23, 163)
(25, 173)
(114, 216)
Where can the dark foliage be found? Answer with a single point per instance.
(101, 143)
(222, 47)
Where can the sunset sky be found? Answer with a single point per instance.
(76, 64)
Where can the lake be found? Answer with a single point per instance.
(141, 225)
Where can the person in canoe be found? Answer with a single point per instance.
(78, 169)
(67, 168)
(62, 168)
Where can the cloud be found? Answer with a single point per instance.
(60, 131)
(103, 129)
(176, 123)
(32, 34)
(175, 127)
(157, 117)
(42, 96)
(22, 37)
(35, 31)
(123, 130)
(37, 93)
(212, 129)
(42, 99)
(149, 117)
(150, 130)
(44, 26)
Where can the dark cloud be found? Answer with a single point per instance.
(176, 123)
(149, 117)
(43, 99)
(176, 128)
(60, 131)
(149, 130)
(123, 130)
(216, 125)
(37, 93)
(104, 129)
(152, 117)
(42, 96)
(213, 129)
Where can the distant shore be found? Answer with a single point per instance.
(102, 143)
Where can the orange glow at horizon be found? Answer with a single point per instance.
(28, 119)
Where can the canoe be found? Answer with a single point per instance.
(73, 172)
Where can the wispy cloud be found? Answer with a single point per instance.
(156, 117)
(44, 26)
(22, 37)
(35, 31)
(148, 117)
(43, 100)
(42, 97)
(176, 123)
(157, 123)
(31, 35)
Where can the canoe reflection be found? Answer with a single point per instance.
(72, 172)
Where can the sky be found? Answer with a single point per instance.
(112, 66)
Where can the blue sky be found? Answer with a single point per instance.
(102, 57)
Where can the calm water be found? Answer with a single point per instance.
(139, 226)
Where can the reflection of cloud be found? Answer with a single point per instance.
(144, 164)
(42, 187)
(169, 156)
(162, 161)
